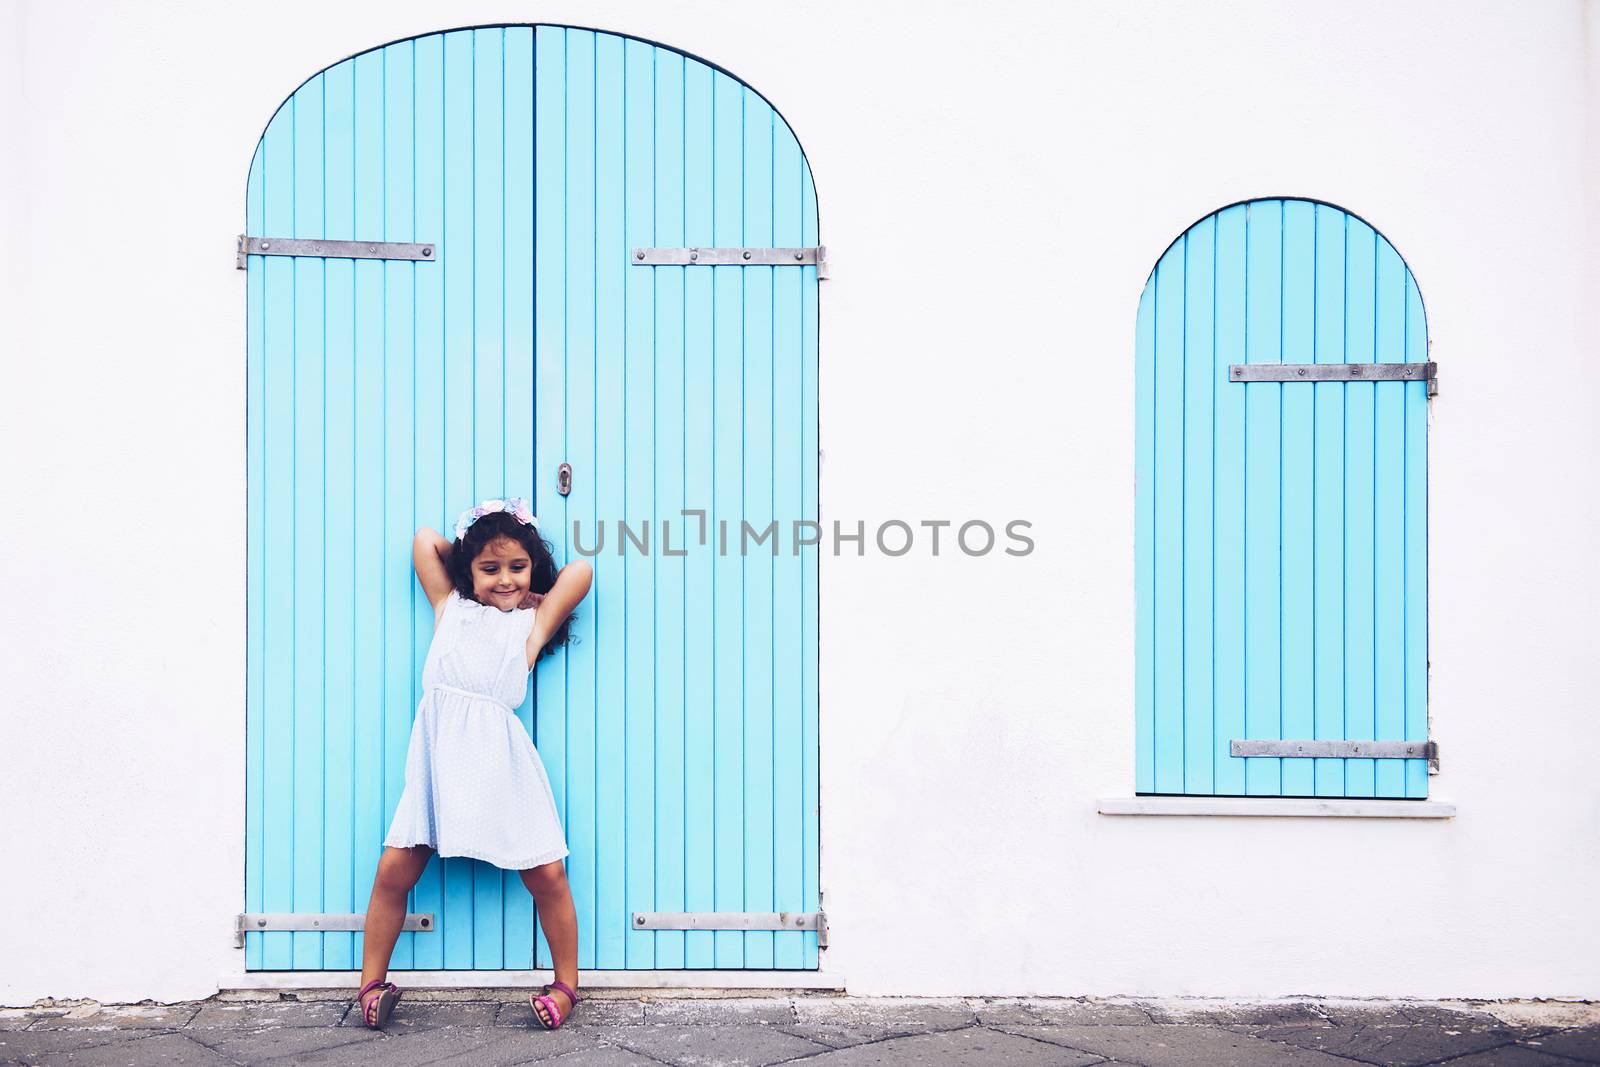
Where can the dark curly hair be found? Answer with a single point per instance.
(499, 524)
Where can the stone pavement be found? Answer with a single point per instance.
(615, 1027)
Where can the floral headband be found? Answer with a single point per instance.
(516, 507)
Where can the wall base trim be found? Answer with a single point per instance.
(1277, 806)
(676, 979)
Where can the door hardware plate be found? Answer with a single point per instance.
(288, 246)
(734, 920)
(732, 257)
(1428, 750)
(328, 922)
(1337, 372)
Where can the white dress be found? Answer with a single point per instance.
(475, 785)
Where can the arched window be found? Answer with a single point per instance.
(1282, 510)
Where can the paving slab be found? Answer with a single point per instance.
(1369, 1013)
(137, 1051)
(120, 1017)
(18, 1018)
(602, 1057)
(1396, 1044)
(1582, 1045)
(982, 1010)
(482, 1045)
(1173, 1045)
(843, 1022)
(1233, 1015)
(263, 1015)
(411, 1016)
(518, 1013)
(971, 1046)
(1060, 1012)
(565, 1046)
(534, 1045)
(1509, 1056)
(1433, 1014)
(719, 1012)
(730, 1045)
(32, 1046)
(261, 1045)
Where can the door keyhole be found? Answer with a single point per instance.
(564, 479)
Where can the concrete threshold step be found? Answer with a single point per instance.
(694, 983)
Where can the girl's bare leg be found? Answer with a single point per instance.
(559, 918)
(398, 871)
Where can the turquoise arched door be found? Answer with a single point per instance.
(1281, 540)
(526, 349)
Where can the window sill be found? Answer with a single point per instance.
(1278, 806)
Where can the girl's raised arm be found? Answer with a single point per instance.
(430, 553)
(571, 586)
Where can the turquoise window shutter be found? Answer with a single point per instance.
(680, 729)
(1281, 526)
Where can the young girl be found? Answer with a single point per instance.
(475, 785)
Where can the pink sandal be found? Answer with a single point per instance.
(549, 1003)
(375, 1012)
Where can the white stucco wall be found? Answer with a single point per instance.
(995, 183)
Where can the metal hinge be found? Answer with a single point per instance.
(734, 920)
(419, 922)
(1428, 750)
(733, 257)
(289, 246)
(1337, 372)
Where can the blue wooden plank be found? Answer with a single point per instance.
(517, 283)
(582, 323)
(398, 341)
(255, 553)
(339, 590)
(809, 559)
(1416, 543)
(457, 396)
(1299, 492)
(369, 544)
(699, 650)
(755, 555)
(1167, 543)
(488, 286)
(1360, 319)
(490, 399)
(1263, 491)
(488, 293)
(611, 695)
(550, 448)
(309, 647)
(1199, 385)
(1329, 475)
(1389, 518)
(428, 950)
(727, 506)
(637, 877)
(809, 553)
(1144, 540)
(789, 418)
(277, 866)
(670, 500)
(1228, 530)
